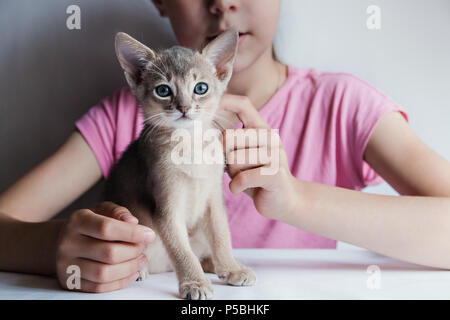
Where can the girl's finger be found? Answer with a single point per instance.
(103, 273)
(106, 228)
(243, 159)
(112, 210)
(97, 287)
(252, 178)
(234, 139)
(244, 109)
(104, 251)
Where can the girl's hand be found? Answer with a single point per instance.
(106, 244)
(266, 178)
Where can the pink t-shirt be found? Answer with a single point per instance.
(324, 119)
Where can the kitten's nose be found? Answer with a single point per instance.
(183, 109)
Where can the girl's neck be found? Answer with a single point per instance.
(260, 80)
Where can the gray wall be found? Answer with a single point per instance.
(50, 76)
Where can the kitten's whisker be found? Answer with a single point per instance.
(153, 68)
(162, 62)
(153, 64)
(153, 116)
(164, 65)
(217, 117)
(159, 72)
(151, 125)
(159, 124)
(156, 125)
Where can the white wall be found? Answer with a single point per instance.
(49, 75)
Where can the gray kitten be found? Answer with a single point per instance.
(183, 203)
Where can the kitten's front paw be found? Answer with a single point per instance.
(196, 290)
(143, 274)
(241, 277)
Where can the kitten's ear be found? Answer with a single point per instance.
(222, 52)
(133, 57)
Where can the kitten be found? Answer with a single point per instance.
(183, 203)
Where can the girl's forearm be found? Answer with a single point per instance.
(28, 247)
(411, 228)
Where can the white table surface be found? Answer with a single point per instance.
(282, 274)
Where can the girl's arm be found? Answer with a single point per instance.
(53, 184)
(27, 240)
(414, 227)
(404, 161)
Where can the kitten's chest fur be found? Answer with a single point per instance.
(193, 181)
(151, 174)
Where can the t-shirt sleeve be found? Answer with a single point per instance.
(109, 126)
(366, 106)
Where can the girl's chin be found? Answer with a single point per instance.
(243, 61)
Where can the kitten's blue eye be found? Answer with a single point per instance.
(201, 88)
(163, 91)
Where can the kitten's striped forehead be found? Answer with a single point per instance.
(176, 62)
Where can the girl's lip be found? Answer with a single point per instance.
(242, 36)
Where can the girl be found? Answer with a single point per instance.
(338, 134)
